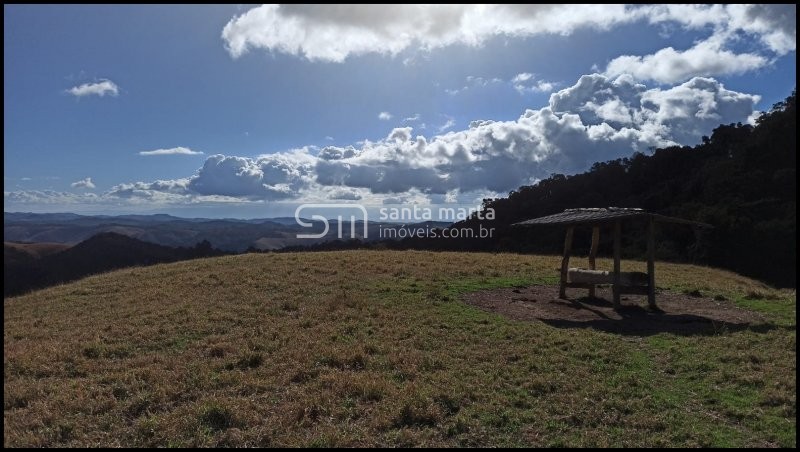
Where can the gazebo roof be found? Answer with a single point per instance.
(597, 215)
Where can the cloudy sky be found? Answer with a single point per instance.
(221, 111)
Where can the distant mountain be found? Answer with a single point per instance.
(33, 266)
(227, 234)
(39, 217)
(27, 251)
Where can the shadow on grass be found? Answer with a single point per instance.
(679, 313)
(637, 320)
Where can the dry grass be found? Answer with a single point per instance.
(375, 348)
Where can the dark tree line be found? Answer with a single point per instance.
(741, 180)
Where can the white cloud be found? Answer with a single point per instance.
(225, 178)
(83, 183)
(412, 118)
(670, 66)
(545, 87)
(180, 150)
(335, 32)
(527, 83)
(775, 26)
(30, 197)
(384, 116)
(447, 125)
(272, 176)
(101, 88)
(144, 190)
(597, 119)
(521, 78)
(345, 194)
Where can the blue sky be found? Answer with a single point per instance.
(285, 103)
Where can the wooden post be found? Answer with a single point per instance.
(651, 264)
(593, 254)
(562, 291)
(617, 252)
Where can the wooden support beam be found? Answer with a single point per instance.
(617, 252)
(562, 291)
(651, 264)
(593, 254)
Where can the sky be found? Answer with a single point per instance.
(250, 111)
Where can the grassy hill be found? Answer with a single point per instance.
(377, 348)
(24, 251)
(29, 266)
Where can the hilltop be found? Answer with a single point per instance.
(367, 348)
(28, 266)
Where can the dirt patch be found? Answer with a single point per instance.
(678, 313)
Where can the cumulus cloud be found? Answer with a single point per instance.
(83, 183)
(180, 150)
(776, 25)
(336, 153)
(597, 119)
(384, 116)
(773, 25)
(677, 115)
(670, 66)
(102, 88)
(272, 177)
(335, 32)
(527, 83)
(148, 190)
(269, 177)
(545, 87)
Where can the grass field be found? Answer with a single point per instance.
(376, 348)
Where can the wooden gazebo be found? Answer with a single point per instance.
(621, 282)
